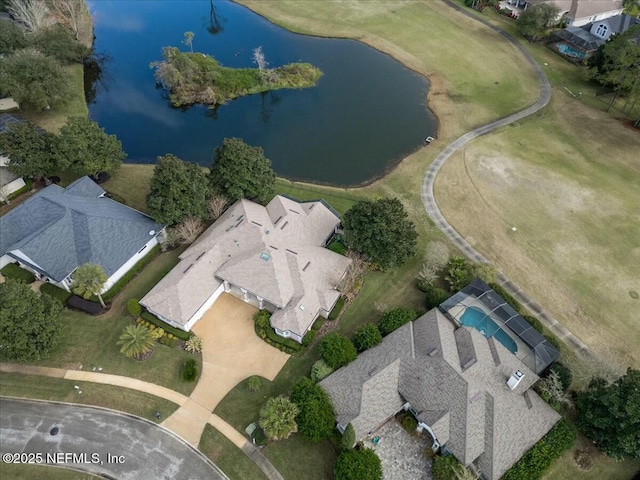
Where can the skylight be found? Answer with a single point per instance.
(265, 256)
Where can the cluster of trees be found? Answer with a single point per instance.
(35, 48)
(181, 190)
(81, 147)
(537, 19)
(380, 230)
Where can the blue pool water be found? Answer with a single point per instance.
(472, 317)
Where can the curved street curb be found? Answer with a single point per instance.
(431, 205)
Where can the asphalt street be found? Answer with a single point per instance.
(98, 441)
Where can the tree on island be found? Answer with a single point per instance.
(537, 19)
(380, 230)
(188, 39)
(88, 280)
(242, 171)
(30, 324)
(85, 149)
(29, 150)
(34, 79)
(178, 190)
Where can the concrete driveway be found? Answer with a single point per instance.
(231, 352)
(115, 445)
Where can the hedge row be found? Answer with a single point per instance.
(539, 458)
(337, 309)
(17, 273)
(86, 306)
(181, 334)
(56, 292)
(263, 330)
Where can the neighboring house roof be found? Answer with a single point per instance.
(619, 23)
(60, 229)
(7, 119)
(576, 9)
(275, 252)
(6, 176)
(470, 408)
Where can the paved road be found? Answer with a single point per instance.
(431, 205)
(127, 447)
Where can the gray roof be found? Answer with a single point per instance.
(275, 252)
(60, 229)
(576, 9)
(469, 407)
(6, 176)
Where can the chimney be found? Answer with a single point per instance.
(515, 380)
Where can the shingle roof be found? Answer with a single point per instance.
(589, 8)
(6, 176)
(61, 229)
(473, 410)
(274, 252)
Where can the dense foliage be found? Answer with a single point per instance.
(320, 370)
(380, 230)
(315, 420)
(395, 318)
(58, 42)
(198, 78)
(361, 464)
(434, 296)
(366, 337)
(190, 370)
(34, 79)
(459, 273)
(86, 149)
(537, 19)
(133, 307)
(30, 324)
(242, 171)
(443, 468)
(278, 418)
(348, 438)
(539, 458)
(337, 350)
(610, 415)
(30, 150)
(178, 190)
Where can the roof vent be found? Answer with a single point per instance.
(267, 232)
(515, 379)
(301, 307)
(152, 232)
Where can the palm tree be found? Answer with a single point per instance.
(136, 340)
(88, 280)
(188, 39)
(278, 418)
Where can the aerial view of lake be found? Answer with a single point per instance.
(367, 112)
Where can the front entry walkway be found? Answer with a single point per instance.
(231, 352)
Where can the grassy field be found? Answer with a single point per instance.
(227, 456)
(76, 106)
(108, 396)
(29, 472)
(91, 341)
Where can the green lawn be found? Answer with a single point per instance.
(297, 458)
(233, 462)
(118, 398)
(91, 341)
(29, 472)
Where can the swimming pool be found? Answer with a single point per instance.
(472, 317)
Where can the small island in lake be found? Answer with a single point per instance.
(193, 77)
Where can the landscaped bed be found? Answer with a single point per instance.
(14, 271)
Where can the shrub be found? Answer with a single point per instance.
(362, 464)
(434, 296)
(320, 370)
(317, 325)
(443, 467)
(261, 320)
(157, 333)
(14, 271)
(153, 320)
(169, 342)
(315, 419)
(308, 338)
(564, 372)
(348, 438)
(337, 350)
(337, 309)
(254, 384)
(539, 458)
(133, 307)
(409, 423)
(120, 284)
(507, 297)
(190, 370)
(56, 292)
(194, 344)
(83, 305)
(259, 436)
(368, 336)
(395, 318)
(337, 247)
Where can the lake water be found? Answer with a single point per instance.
(366, 113)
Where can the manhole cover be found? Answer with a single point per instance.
(54, 431)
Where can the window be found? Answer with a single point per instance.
(602, 29)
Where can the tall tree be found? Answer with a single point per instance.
(30, 150)
(30, 324)
(178, 190)
(315, 419)
(33, 14)
(380, 230)
(34, 79)
(609, 414)
(72, 14)
(278, 418)
(89, 280)
(86, 149)
(188, 39)
(242, 171)
(537, 19)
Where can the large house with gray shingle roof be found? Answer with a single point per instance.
(455, 382)
(272, 257)
(59, 229)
